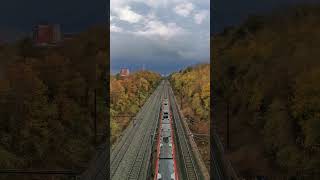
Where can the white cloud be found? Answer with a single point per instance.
(126, 14)
(151, 16)
(155, 3)
(115, 4)
(157, 28)
(154, 32)
(158, 3)
(184, 9)
(112, 18)
(114, 28)
(201, 16)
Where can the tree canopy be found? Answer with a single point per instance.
(47, 102)
(268, 69)
(192, 86)
(127, 96)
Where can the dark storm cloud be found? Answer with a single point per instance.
(162, 57)
(232, 12)
(136, 47)
(156, 57)
(158, 64)
(73, 15)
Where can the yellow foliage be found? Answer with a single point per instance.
(127, 95)
(194, 83)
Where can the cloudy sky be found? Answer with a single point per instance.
(165, 35)
(162, 35)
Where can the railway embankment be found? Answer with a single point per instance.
(197, 156)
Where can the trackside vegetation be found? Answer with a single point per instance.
(127, 96)
(192, 90)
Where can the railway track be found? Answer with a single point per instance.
(144, 150)
(122, 147)
(97, 169)
(130, 154)
(130, 157)
(218, 172)
(190, 168)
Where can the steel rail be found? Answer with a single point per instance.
(189, 164)
(126, 139)
(135, 169)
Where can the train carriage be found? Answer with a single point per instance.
(165, 166)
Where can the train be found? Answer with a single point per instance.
(165, 161)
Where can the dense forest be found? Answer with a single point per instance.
(267, 76)
(192, 90)
(127, 96)
(47, 102)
